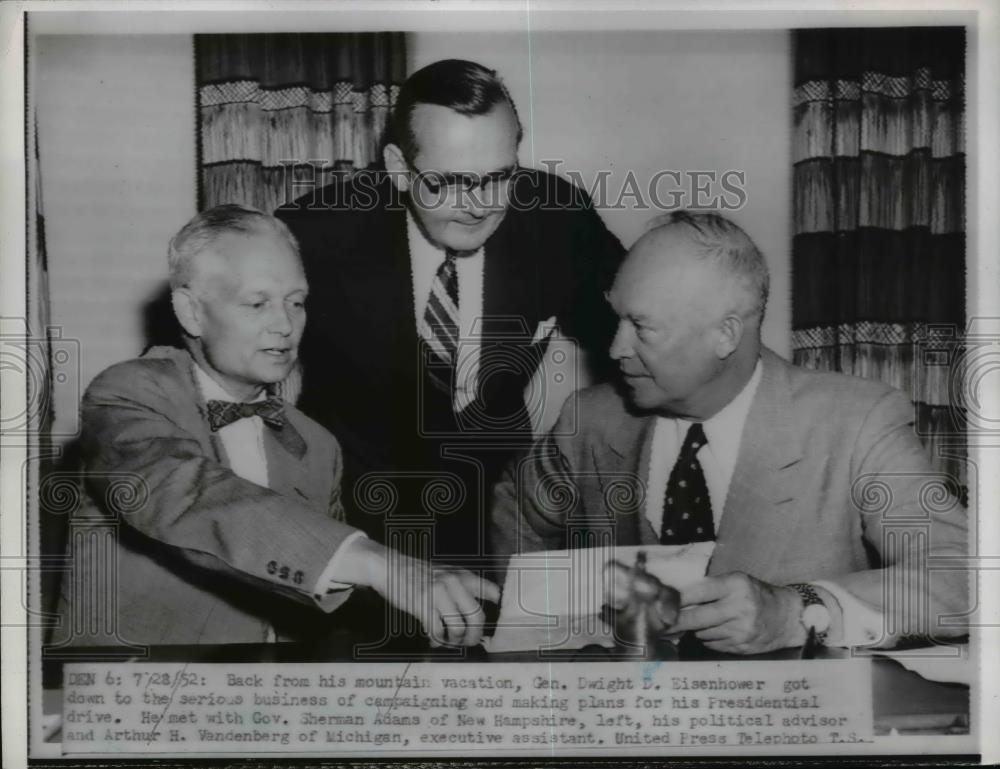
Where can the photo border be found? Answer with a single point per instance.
(983, 298)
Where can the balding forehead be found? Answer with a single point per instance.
(661, 253)
(709, 255)
(670, 242)
(214, 265)
(664, 276)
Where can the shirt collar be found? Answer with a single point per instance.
(724, 430)
(213, 391)
(421, 248)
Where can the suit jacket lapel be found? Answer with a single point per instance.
(508, 322)
(620, 463)
(508, 275)
(287, 473)
(756, 521)
(509, 281)
(192, 393)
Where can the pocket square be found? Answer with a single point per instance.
(545, 329)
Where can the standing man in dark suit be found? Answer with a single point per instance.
(222, 502)
(436, 283)
(813, 486)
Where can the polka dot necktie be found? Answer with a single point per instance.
(687, 509)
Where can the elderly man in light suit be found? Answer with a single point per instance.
(238, 518)
(806, 481)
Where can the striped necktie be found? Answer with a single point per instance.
(441, 325)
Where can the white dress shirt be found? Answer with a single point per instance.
(243, 441)
(862, 623)
(717, 457)
(557, 376)
(425, 259)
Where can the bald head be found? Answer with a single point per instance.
(709, 252)
(690, 297)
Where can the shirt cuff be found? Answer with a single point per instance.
(863, 625)
(325, 584)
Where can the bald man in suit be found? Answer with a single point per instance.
(813, 486)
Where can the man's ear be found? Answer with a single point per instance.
(396, 165)
(730, 335)
(187, 308)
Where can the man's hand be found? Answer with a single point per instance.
(738, 614)
(444, 599)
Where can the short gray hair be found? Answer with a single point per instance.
(205, 229)
(724, 243)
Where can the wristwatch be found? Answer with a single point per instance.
(815, 617)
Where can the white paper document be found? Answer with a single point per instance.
(552, 599)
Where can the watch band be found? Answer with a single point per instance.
(810, 597)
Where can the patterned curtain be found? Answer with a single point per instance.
(303, 105)
(878, 255)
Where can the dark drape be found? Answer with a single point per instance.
(271, 103)
(879, 221)
(36, 362)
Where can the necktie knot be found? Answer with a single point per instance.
(695, 440)
(222, 413)
(447, 274)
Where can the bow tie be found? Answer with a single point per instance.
(222, 413)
